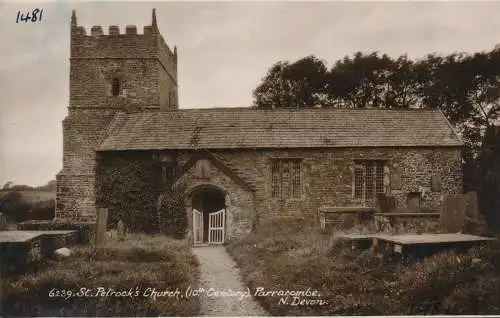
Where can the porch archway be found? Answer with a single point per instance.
(208, 208)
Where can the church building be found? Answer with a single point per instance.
(126, 138)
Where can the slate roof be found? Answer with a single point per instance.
(224, 128)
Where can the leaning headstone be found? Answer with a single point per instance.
(120, 230)
(102, 222)
(452, 218)
(62, 252)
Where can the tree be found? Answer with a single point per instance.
(404, 85)
(14, 206)
(49, 186)
(361, 81)
(489, 178)
(299, 84)
(466, 88)
(7, 185)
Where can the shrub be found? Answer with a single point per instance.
(452, 283)
(14, 206)
(291, 255)
(43, 210)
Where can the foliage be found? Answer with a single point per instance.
(361, 81)
(453, 284)
(299, 84)
(489, 178)
(138, 262)
(290, 255)
(128, 184)
(172, 217)
(17, 208)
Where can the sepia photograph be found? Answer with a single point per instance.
(249, 158)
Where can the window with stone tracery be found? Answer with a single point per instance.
(286, 178)
(368, 179)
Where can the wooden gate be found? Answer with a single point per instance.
(216, 226)
(197, 226)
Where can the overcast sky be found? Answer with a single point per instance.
(224, 50)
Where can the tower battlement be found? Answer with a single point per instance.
(118, 44)
(141, 64)
(112, 30)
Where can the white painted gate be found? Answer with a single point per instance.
(197, 226)
(216, 226)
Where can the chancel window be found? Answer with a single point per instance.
(368, 179)
(115, 87)
(286, 178)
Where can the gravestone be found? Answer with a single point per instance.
(101, 226)
(452, 218)
(396, 179)
(474, 220)
(436, 183)
(349, 220)
(472, 209)
(120, 230)
(413, 202)
(386, 203)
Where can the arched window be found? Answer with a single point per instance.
(115, 89)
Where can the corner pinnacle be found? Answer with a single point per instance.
(154, 24)
(73, 18)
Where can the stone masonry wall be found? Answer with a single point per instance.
(327, 176)
(240, 211)
(82, 132)
(147, 70)
(91, 83)
(129, 182)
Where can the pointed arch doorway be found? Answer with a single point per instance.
(209, 215)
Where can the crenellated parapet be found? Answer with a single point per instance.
(130, 42)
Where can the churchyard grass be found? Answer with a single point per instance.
(292, 256)
(137, 263)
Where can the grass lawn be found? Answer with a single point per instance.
(115, 280)
(289, 255)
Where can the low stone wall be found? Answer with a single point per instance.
(407, 222)
(18, 257)
(85, 230)
(364, 222)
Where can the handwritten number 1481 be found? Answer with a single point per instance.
(36, 15)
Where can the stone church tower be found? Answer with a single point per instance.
(109, 73)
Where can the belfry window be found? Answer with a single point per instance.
(115, 87)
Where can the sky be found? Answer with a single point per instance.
(224, 49)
